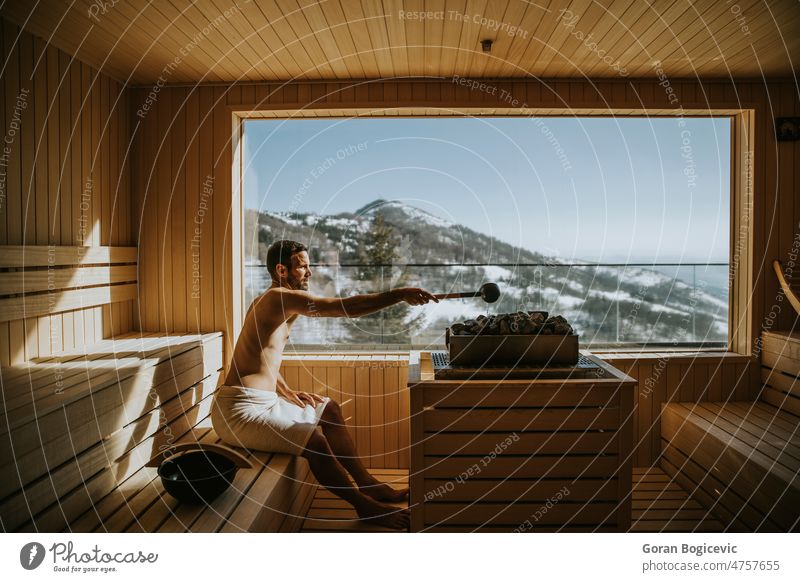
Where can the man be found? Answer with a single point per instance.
(256, 409)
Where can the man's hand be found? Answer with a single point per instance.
(414, 295)
(301, 399)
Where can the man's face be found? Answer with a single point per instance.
(300, 273)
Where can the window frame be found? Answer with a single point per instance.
(740, 257)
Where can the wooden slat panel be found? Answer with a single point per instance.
(522, 467)
(67, 432)
(63, 482)
(52, 195)
(178, 516)
(121, 497)
(377, 428)
(54, 256)
(138, 498)
(717, 497)
(482, 514)
(540, 442)
(38, 394)
(505, 394)
(781, 343)
(335, 376)
(32, 305)
(519, 420)
(785, 363)
(167, 514)
(67, 278)
(510, 490)
(771, 489)
(365, 41)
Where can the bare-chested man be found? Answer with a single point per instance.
(257, 409)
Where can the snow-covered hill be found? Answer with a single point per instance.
(605, 304)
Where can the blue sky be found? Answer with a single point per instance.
(606, 189)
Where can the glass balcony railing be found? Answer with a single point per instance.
(665, 304)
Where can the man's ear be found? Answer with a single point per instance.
(281, 271)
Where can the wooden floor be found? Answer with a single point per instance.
(328, 513)
(658, 505)
(661, 505)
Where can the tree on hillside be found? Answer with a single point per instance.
(378, 254)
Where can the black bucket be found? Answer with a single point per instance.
(197, 476)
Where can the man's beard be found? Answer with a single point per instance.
(299, 284)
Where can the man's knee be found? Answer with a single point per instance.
(317, 445)
(332, 412)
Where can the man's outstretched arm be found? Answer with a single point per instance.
(304, 303)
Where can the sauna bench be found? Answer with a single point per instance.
(521, 454)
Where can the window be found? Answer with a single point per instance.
(619, 224)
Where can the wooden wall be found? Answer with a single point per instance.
(64, 179)
(679, 378)
(373, 392)
(184, 139)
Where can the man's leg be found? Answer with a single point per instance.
(342, 445)
(331, 475)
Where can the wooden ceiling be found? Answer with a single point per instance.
(138, 41)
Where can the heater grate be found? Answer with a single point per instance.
(443, 370)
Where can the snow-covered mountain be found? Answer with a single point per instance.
(605, 304)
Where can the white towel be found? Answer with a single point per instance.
(263, 421)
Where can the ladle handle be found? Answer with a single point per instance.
(237, 458)
(457, 295)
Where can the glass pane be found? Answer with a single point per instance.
(450, 204)
(605, 304)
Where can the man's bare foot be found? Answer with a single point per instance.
(384, 492)
(384, 515)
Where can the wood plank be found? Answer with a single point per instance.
(781, 343)
(780, 449)
(70, 484)
(521, 467)
(135, 498)
(625, 455)
(520, 419)
(696, 424)
(768, 487)
(562, 513)
(781, 425)
(47, 442)
(417, 455)
(29, 403)
(780, 381)
(782, 400)
(178, 226)
(96, 516)
(391, 404)
(505, 394)
(299, 509)
(168, 515)
(42, 304)
(404, 418)
(719, 499)
(361, 424)
(68, 278)
(259, 507)
(539, 442)
(167, 511)
(377, 429)
(514, 490)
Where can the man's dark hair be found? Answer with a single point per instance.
(280, 253)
